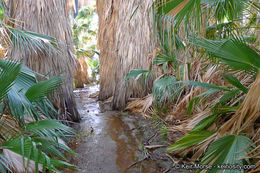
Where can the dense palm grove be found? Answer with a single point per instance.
(201, 80)
(30, 133)
(208, 79)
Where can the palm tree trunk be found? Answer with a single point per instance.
(49, 18)
(125, 43)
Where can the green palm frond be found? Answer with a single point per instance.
(191, 10)
(205, 123)
(139, 74)
(190, 139)
(211, 90)
(51, 129)
(235, 82)
(228, 93)
(169, 39)
(229, 150)
(165, 7)
(22, 39)
(23, 97)
(5, 164)
(47, 125)
(30, 40)
(166, 61)
(167, 88)
(221, 31)
(233, 52)
(206, 85)
(226, 9)
(30, 149)
(228, 96)
(39, 141)
(3, 10)
(8, 74)
(43, 88)
(230, 27)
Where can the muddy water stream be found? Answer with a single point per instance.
(108, 141)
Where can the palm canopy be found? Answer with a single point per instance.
(194, 10)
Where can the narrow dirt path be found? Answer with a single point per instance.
(108, 141)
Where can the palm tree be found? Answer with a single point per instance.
(26, 122)
(49, 18)
(25, 112)
(227, 42)
(219, 112)
(125, 42)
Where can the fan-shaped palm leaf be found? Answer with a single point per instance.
(7, 77)
(228, 150)
(190, 139)
(23, 97)
(234, 52)
(167, 88)
(139, 74)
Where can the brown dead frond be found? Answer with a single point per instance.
(81, 73)
(140, 105)
(94, 95)
(247, 114)
(109, 100)
(188, 124)
(8, 127)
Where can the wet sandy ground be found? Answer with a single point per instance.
(108, 141)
